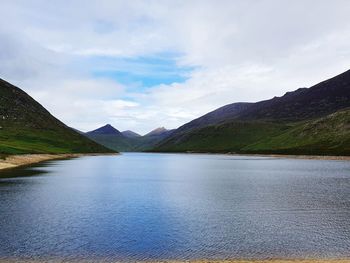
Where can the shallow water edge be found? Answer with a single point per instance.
(184, 261)
(14, 161)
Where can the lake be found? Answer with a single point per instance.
(140, 206)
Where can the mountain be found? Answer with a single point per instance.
(106, 130)
(110, 137)
(130, 134)
(27, 127)
(306, 103)
(272, 126)
(127, 141)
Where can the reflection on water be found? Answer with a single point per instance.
(174, 206)
(34, 170)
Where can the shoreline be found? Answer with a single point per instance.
(286, 156)
(297, 260)
(18, 160)
(294, 156)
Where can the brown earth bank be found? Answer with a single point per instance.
(186, 261)
(12, 161)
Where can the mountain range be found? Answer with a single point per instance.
(313, 120)
(127, 141)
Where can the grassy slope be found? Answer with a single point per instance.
(27, 127)
(329, 135)
(229, 137)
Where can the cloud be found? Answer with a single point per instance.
(95, 62)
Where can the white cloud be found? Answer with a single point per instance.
(241, 51)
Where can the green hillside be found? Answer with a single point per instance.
(329, 135)
(27, 127)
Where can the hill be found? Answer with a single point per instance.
(328, 135)
(27, 127)
(275, 125)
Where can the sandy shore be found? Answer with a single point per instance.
(187, 261)
(13, 161)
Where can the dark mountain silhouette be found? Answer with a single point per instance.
(106, 130)
(305, 103)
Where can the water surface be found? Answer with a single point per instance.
(175, 206)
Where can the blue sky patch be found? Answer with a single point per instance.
(141, 72)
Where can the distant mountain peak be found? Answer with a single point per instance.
(157, 131)
(130, 134)
(107, 129)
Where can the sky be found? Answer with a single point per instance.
(139, 65)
